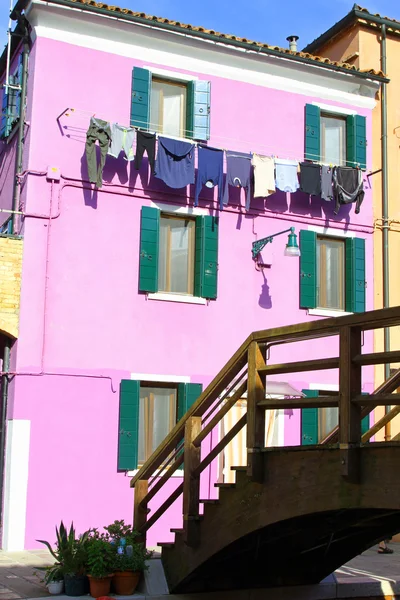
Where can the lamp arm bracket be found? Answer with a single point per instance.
(258, 245)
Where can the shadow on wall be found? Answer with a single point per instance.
(265, 299)
(297, 203)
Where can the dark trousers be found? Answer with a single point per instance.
(145, 141)
(99, 131)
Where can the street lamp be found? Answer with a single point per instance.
(292, 248)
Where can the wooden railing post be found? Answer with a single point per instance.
(255, 413)
(140, 508)
(191, 482)
(349, 412)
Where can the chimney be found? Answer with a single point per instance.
(292, 39)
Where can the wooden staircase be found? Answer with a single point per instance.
(294, 514)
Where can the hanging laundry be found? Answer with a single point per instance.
(175, 162)
(264, 175)
(310, 178)
(348, 187)
(326, 183)
(286, 175)
(99, 131)
(238, 174)
(145, 142)
(122, 138)
(210, 171)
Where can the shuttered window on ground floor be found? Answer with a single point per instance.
(148, 411)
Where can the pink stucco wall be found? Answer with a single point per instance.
(82, 319)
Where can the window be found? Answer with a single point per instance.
(317, 423)
(176, 255)
(170, 106)
(328, 419)
(157, 416)
(332, 272)
(11, 102)
(333, 140)
(148, 411)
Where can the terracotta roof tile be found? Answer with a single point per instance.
(224, 36)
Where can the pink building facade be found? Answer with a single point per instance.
(85, 325)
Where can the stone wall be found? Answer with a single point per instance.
(10, 283)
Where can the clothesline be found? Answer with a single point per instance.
(175, 165)
(222, 140)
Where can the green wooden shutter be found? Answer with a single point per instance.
(355, 275)
(312, 132)
(365, 420)
(356, 141)
(18, 81)
(187, 395)
(141, 96)
(309, 421)
(149, 248)
(206, 257)
(4, 124)
(198, 110)
(308, 269)
(128, 425)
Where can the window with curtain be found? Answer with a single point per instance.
(330, 273)
(157, 416)
(168, 107)
(176, 255)
(328, 419)
(333, 140)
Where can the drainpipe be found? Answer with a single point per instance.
(3, 418)
(385, 217)
(21, 127)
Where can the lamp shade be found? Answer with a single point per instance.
(292, 248)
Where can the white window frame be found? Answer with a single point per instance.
(152, 378)
(333, 233)
(174, 77)
(174, 210)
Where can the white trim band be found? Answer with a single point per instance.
(169, 297)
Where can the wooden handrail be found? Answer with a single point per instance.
(387, 386)
(247, 371)
(304, 365)
(204, 401)
(317, 402)
(220, 415)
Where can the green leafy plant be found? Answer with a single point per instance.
(69, 552)
(100, 555)
(134, 562)
(118, 530)
(52, 573)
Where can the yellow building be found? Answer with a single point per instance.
(370, 41)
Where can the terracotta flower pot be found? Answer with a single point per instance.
(125, 582)
(100, 586)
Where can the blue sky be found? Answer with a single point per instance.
(269, 21)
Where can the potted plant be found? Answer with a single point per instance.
(70, 554)
(54, 579)
(130, 557)
(128, 569)
(100, 558)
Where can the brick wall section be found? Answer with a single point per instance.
(10, 283)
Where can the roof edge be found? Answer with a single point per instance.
(356, 13)
(92, 7)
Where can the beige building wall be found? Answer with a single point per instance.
(10, 284)
(365, 41)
